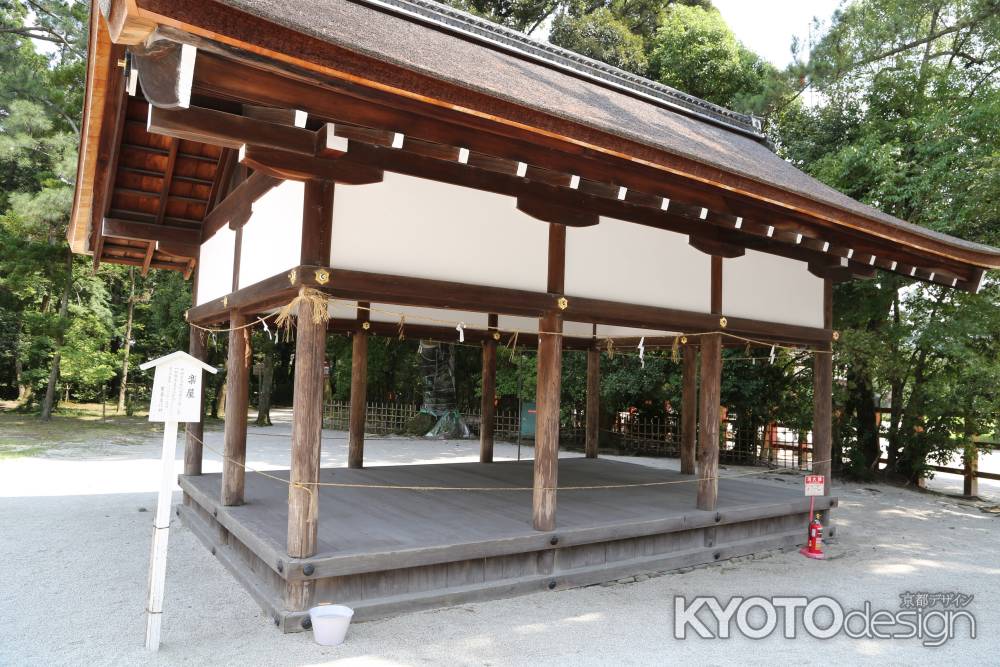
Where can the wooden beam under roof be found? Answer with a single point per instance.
(718, 233)
(274, 84)
(381, 288)
(236, 204)
(150, 232)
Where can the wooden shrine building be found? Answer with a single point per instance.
(422, 168)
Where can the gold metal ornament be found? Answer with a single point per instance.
(322, 276)
(563, 303)
(225, 302)
(496, 335)
(836, 335)
(723, 322)
(292, 275)
(366, 325)
(684, 340)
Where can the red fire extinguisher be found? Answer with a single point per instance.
(814, 542)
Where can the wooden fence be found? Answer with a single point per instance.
(772, 445)
(380, 418)
(393, 418)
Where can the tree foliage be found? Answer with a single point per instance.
(908, 121)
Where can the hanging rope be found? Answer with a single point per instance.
(321, 303)
(307, 297)
(310, 487)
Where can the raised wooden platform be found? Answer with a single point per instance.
(384, 551)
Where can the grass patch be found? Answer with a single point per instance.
(73, 425)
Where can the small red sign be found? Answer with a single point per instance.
(815, 485)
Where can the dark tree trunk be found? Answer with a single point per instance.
(128, 341)
(862, 404)
(48, 403)
(264, 394)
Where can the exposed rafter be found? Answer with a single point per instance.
(353, 154)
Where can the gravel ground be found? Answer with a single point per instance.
(75, 528)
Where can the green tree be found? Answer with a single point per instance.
(602, 36)
(907, 121)
(694, 51)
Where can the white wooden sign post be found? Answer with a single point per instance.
(176, 398)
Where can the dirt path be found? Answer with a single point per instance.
(74, 541)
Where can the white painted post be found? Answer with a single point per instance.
(161, 533)
(176, 398)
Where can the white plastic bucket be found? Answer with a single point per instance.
(330, 622)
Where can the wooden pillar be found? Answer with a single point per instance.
(823, 398)
(593, 401)
(689, 408)
(359, 398)
(317, 222)
(307, 426)
(195, 431)
(487, 422)
(546, 466)
(307, 400)
(708, 424)
(710, 395)
(237, 399)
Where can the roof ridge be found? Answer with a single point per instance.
(473, 27)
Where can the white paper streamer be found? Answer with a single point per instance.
(642, 351)
(460, 328)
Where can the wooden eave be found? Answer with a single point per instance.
(244, 59)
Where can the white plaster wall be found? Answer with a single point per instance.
(511, 323)
(431, 317)
(272, 237)
(630, 263)
(423, 229)
(771, 288)
(607, 331)
(215, 266)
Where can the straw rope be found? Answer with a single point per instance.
(320, 313)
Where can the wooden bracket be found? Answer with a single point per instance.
(328, 144)
(547, 212)
(292, 166)
(209, 126)
(841, 272)
(146, 231)
(716, 247)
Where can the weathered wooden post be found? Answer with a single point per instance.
(195, 431)
(487, 421)
(237, 402)
(710, 395)
(593, 401)
(307, 398)
(546, 466)
(708, 428)
(689, 407)
(307, 428)
(359, 400)
(823, 399)
(176, 398)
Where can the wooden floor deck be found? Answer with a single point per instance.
(384, 550)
